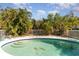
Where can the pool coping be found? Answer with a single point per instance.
(8, 40)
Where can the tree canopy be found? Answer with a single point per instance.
(18, 22)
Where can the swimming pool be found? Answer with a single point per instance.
(42, 47)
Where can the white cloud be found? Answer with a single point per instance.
(65, 5)
(30, 7)
(40, 14)
(29, 10)
(76, 9)
(61, 6)
(19, 5)
(53, 12)
(23, 6)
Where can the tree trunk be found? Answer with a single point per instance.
(66, 32)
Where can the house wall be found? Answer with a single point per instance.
(73, 33)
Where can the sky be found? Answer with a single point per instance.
(41, 10)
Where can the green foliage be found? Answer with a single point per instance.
(47, 27)
(16, 21)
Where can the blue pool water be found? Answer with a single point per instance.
(42, 47)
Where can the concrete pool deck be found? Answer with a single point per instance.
(7, 40)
